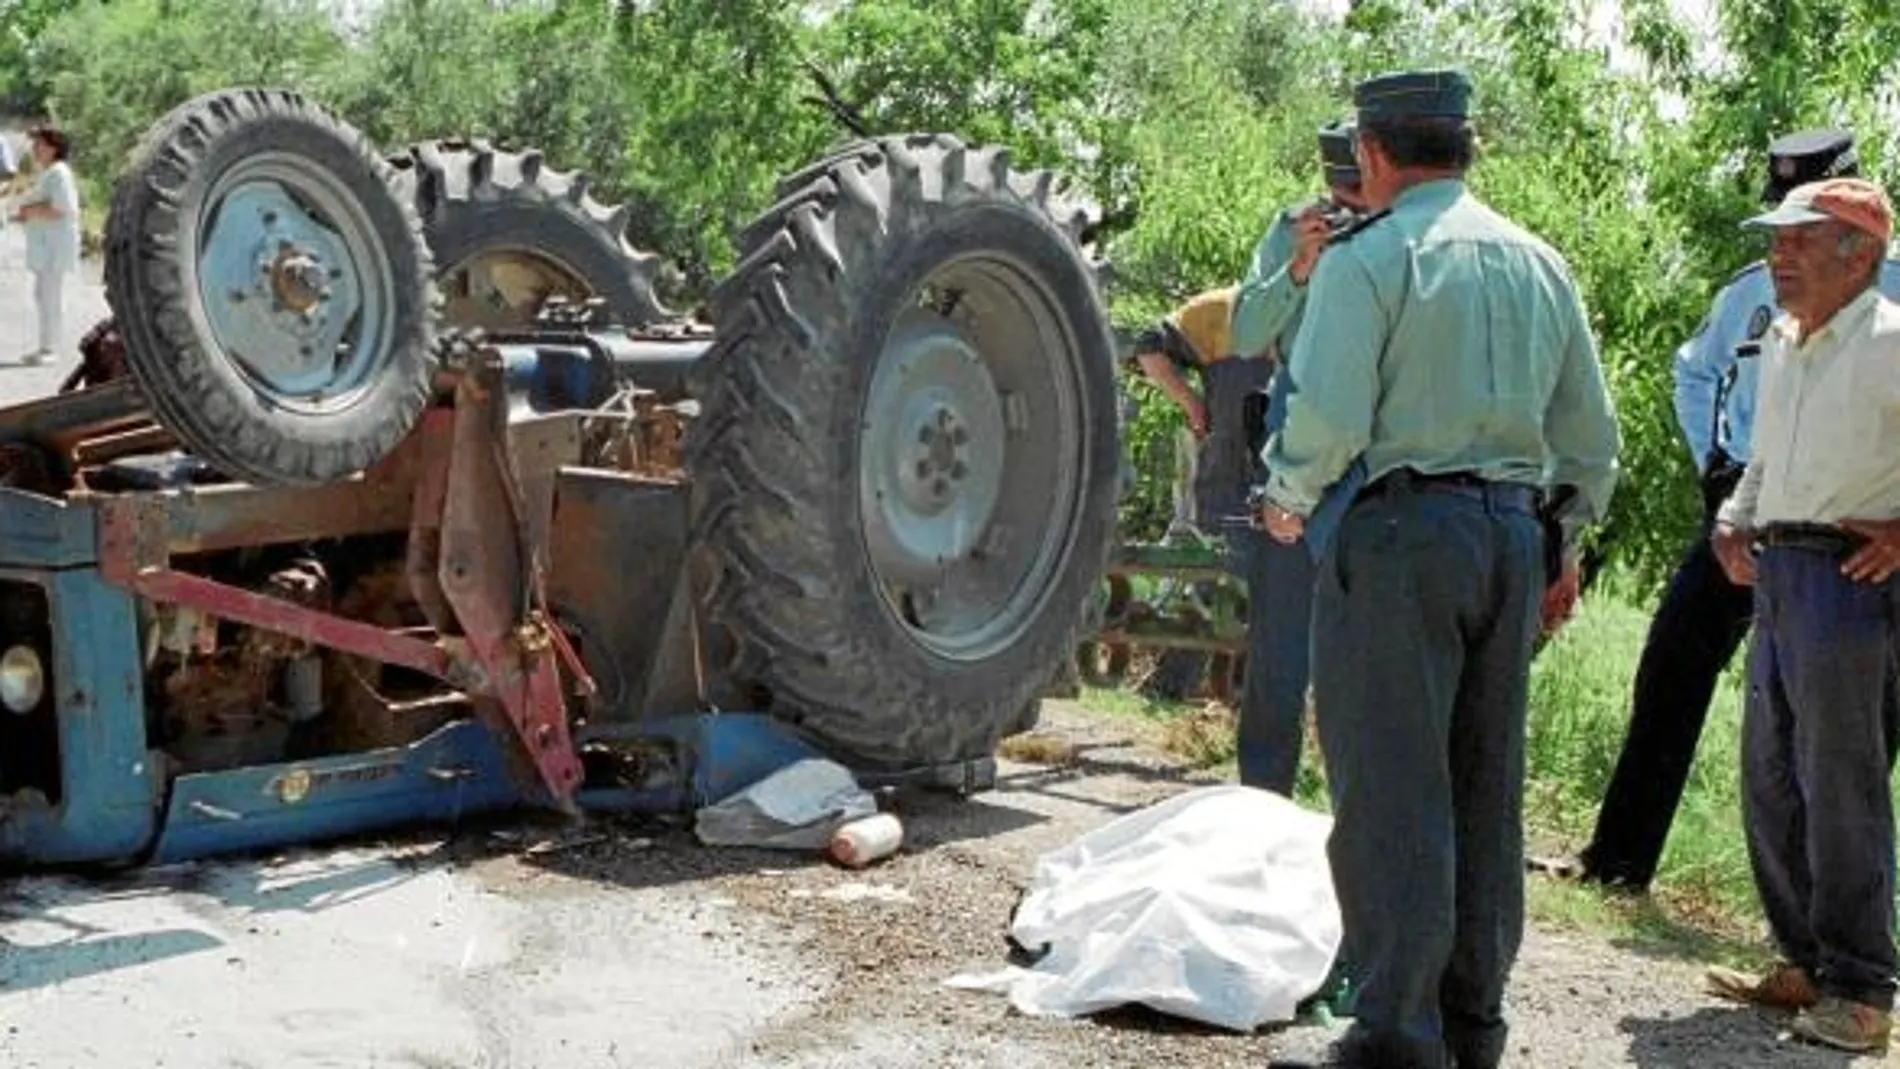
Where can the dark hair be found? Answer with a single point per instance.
(53, 138)
(1424, 142)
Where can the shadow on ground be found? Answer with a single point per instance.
(1650, 931)
(57, 929)
(1732, 1038)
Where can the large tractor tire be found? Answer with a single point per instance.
(273, 291)
(508, 232)
(904, 468)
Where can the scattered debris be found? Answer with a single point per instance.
(575, 842)
(796, 808)
(858, 892)
(1038, 748)
(860, 842)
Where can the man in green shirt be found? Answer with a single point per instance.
(1266, 317)
(1447, 349)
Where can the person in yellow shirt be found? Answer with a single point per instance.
(1189, 356)
(1190, 339)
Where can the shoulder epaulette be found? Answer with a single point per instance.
(1352, 229)
(1758, 265)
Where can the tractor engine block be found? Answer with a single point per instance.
(223, 695)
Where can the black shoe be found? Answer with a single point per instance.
(1575, 869)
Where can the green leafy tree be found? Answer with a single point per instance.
(1190, 121)
(23, 72)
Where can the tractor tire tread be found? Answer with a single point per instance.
(470, 194)
(191, 391)
(767, 518)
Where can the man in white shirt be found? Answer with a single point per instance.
(1817, 739)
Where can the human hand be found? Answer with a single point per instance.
(1734, 550)
(1880, 557)
(1285, 527)
(1195, 410)
(1560, 598)
(1309, 240)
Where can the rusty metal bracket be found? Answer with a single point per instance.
(473, 567)
(133, 556)
(133, 534)
(490, 578)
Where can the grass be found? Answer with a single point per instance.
(1580, 693)
(1703, 904)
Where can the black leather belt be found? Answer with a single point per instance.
(1815, 537)
(1503, 496)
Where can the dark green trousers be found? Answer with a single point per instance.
(1425, 613)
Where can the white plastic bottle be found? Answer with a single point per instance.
(867, 839)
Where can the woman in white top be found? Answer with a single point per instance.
(51, 219)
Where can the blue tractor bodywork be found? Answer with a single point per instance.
(87, 776)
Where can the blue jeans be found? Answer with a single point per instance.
(1279, 656)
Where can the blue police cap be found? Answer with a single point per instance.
(1441, 94)
(1336, 154)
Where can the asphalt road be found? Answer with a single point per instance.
(85, 305)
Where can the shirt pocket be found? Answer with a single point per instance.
(1868, 396)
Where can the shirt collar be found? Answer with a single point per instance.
(1845, 321)
(1437, 191)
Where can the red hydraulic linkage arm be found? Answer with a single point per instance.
(472, 568)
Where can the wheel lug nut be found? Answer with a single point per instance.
(924, 436)
(923, 469)
(940, 487)
(958, 471)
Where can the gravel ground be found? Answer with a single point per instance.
(1576, 1001)
(625, 943)
(639, 947)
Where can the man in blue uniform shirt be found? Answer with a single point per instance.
(1703, 616)
(1465, 379)
(1268, 309)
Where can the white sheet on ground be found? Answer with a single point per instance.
(1216, 905)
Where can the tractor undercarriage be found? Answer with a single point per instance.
(526, 537)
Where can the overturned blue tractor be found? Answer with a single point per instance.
(392, 493)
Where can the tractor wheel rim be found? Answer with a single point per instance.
(969, 456)
(505, 288)
(295, 283)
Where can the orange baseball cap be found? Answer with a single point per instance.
(1854, 201)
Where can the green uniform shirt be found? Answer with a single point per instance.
(1267, 308)
(1467, 351)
